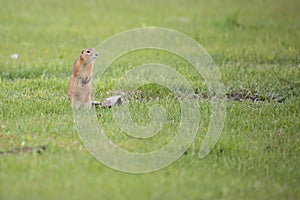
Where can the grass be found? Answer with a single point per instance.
(256, 47)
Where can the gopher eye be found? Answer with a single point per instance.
(88, 51)
(82, 51)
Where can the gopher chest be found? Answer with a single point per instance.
(83, 82)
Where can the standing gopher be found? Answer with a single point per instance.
(80, 85)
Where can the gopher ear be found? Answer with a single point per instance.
(81, 54)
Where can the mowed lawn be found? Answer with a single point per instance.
(255, 44)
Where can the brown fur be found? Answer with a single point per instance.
(80, 85)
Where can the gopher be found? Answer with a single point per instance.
(80, 85)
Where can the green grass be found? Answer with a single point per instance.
(255, 44)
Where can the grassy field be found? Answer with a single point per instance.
(255, 44)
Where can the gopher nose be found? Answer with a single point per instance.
(96, 54)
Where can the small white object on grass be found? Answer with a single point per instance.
(112, 101)
(14, 56)
(109, 102)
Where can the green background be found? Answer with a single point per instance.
(255, 44)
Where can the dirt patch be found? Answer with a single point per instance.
(246, 94)
(231, 94)
(38, 149)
